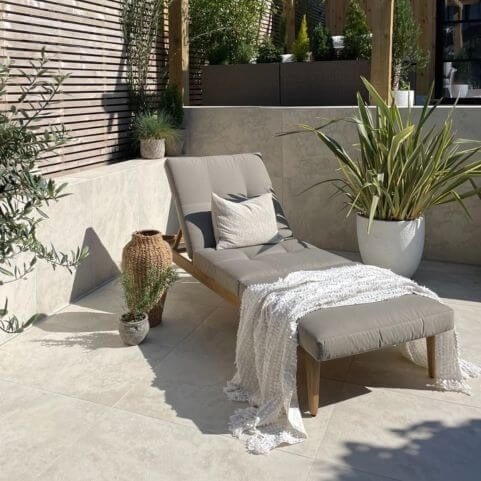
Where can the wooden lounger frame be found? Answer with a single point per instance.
(312, 366)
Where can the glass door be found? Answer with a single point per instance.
(459, 50)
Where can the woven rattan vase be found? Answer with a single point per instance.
(147, 250)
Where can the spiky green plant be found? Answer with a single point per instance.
(171, 103)
(301, 44)
(404, 167)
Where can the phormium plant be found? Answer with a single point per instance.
(24, 192)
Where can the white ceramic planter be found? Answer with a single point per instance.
(403, 98)
(397, 246)
(152, 148)
(459, 90)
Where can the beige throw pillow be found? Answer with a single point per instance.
(247, 223)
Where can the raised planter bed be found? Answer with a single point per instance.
(243, 84)
(302, 84)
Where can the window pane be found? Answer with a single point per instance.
(462, 79)
(462, 41)
(462, 10)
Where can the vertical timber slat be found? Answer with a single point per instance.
(179, 46)
(381, 61)
(425, 14)
(290, 15)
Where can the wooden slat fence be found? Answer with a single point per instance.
(84, 38)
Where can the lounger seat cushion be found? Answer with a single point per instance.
(235, 269)
(333, 332)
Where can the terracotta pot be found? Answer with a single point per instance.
(147, 250)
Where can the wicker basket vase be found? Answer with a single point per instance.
(147, 250)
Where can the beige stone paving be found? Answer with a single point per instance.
(75, 404)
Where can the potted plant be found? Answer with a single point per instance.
(404, 168)
(405, 52)
(172, 106)
(140, 298)
(152, 130)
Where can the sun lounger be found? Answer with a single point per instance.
(324, 334)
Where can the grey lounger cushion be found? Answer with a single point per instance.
(326, 333)
(235, 269)
(333, 332)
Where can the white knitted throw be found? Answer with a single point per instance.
(266, 352)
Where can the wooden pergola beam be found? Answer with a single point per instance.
(381, 60)
(179, 46)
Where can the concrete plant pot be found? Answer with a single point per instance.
(175, 146)
(394, 245)
(152, 148)
(133, 332)
(403, 98)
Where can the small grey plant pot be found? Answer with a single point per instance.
(134, 332)
(394, 245)
(175, 147)
(152, 148)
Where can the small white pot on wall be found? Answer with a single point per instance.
(403, 98)
(152, 148)
(394, 245)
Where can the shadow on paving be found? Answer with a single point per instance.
(428, 451)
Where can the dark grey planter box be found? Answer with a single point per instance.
(243, 84)
(333, 82)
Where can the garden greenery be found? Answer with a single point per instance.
(171, 103)
(268, 52)
(225, 31)
(24, 192)
(301, 44)
(154, 126)
(321, 41)
(142, 297)
(357, 37)
(141, 20)
(406, 53)
(404, 167)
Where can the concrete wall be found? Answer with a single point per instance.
(107, 204)
(295, 162)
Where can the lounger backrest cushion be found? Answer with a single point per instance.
(194, 179)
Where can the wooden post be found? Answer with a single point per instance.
(290, 16)
(179, 46)
(381, 60)
(335, 11)
(425, 15)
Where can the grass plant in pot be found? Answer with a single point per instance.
(407, 56)
(140, 298)
(152, 131)
(404, 168)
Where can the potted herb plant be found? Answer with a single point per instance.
(140, 298)
(406, 53)
(404, 168)
(152, 131)
(172, 106)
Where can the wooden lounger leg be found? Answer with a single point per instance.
(431, 344)
(313, 374)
